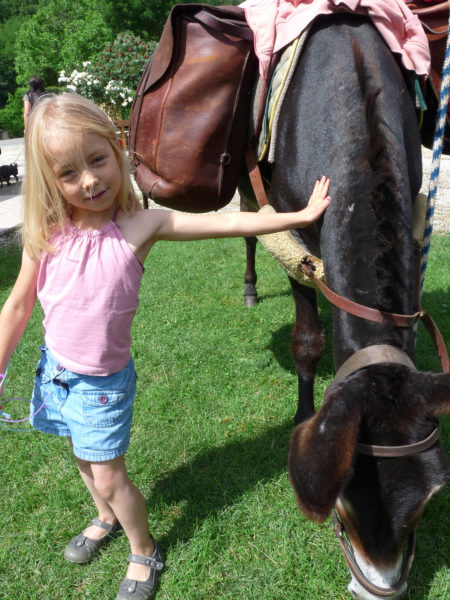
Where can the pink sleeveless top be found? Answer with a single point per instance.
(89, 290)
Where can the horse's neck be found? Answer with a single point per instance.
(374, 155)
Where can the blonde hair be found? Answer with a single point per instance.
(45, 208)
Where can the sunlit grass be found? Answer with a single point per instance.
(213, 414)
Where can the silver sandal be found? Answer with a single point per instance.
(82, 549)
(131, 589)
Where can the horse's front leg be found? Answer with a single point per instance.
(248, 203)
(307, 346)
(250, 278)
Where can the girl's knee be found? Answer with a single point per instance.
(109, 477)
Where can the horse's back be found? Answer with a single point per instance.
(344, 64)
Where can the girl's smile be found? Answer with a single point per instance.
(87, 175)
(98, 196)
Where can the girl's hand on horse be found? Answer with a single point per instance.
(318, 202)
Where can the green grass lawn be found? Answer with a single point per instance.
(213, 415)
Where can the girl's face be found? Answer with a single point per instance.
(87, 173)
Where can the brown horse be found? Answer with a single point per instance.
(372, 450)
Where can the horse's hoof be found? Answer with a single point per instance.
(250, 301)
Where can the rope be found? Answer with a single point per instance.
(6, 418)
(436, 158)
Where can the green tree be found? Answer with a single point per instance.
(17, 8)
(12, 14)
(58, 36)
(144, 18)
(8, 32)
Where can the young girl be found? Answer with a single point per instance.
(85, 241)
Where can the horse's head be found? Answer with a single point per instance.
(378, 500)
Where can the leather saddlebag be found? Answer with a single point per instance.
(189, 120)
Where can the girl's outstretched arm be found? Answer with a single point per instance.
(17, 310)
(170, 225)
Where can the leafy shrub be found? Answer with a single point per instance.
(125, 59)
(112, 79)
(11, 116)
(84, 83)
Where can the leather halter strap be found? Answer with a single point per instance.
(374, 355)
(339, 530)
(359, 310)
(381, 354)
(255, 177)
(400, 451)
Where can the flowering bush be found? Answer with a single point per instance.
(125, 59)
(112, 79)
(84, 83)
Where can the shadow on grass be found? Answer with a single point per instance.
(270, 295)
(219, 477)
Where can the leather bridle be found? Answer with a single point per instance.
(372, 353)
(339, 530)
(406, 450)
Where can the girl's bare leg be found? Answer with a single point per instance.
(117, 497)
(105, 512)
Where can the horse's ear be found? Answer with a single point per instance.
(321, 450)
(429, 390)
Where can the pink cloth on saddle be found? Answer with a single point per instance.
(276, 23)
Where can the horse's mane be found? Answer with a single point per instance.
(386, 203)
